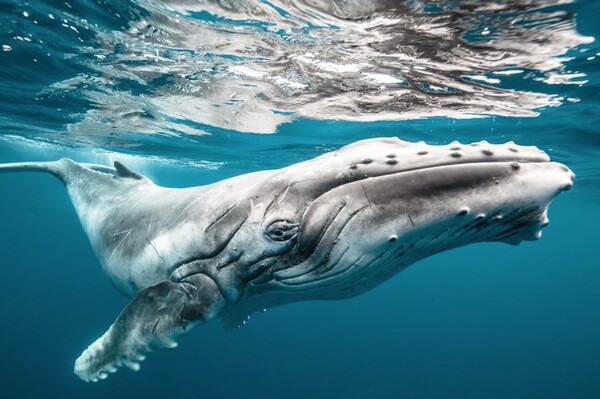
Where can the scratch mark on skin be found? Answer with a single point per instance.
(285, 193)
(155, 250)
(120, 232)
(155, 326)
(221, 217)
(276, 200)
(135, 204)
(367, 195)
(184, 290)
(192, 204)
(120, 243)
(411, 221)
(112, 200)
(150, 224)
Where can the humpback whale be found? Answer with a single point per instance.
(327, 228)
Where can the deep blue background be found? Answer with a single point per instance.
(485, 321)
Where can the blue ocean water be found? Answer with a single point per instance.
(193, 92)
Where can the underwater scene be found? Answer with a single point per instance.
(307, 198)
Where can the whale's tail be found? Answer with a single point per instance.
(56, 167)
(65, 169)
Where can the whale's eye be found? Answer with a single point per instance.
(282, 230)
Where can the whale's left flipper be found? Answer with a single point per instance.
(154, 318)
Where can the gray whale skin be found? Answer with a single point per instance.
(328, 228)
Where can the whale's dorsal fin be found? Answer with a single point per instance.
(124, 171)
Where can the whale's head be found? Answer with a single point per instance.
(351, 218)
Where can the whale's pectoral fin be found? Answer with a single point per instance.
(155, 317)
